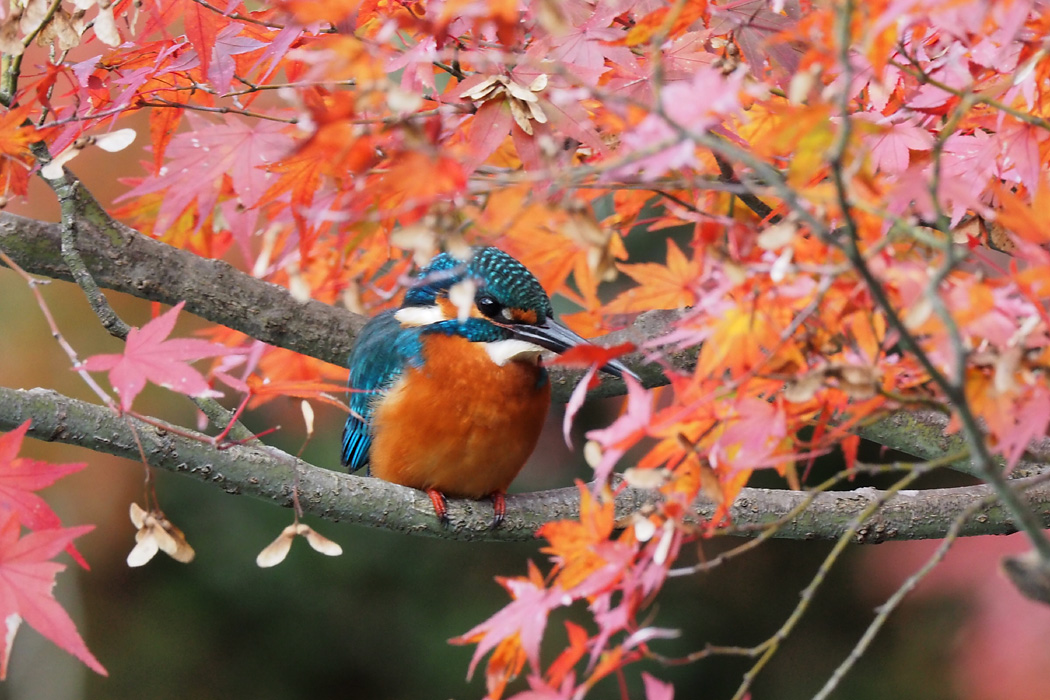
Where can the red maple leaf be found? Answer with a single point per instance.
(202, 27)
(26, 579)
(20, 477)
(592, 357)
(148, 356)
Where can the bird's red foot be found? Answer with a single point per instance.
(440, 505)
(499, 505)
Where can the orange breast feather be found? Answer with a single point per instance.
(460, 424)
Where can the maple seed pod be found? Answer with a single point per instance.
(319, 542)
(856, 380)
(592, 454)
(461, 294)
(804, 388)
(644, 528)
(276, 552)
(646, 478)
(308, 417)
(156, 533)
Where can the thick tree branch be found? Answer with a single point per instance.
(122, 259)
(267, 473)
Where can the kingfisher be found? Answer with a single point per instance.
(447, 392)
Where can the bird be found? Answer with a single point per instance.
(447, 392)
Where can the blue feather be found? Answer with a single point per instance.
(375, 364)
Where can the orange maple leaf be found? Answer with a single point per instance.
(1023, 219)
(572, 542)
(666, 21)
(14, 137)
(670, 286)
(747, 337)
(300, 389)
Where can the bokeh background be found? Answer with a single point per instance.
(374, 622)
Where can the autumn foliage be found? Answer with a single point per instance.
(845, 199)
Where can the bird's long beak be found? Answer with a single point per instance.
(556, 337)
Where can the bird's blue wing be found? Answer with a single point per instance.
(375, 364)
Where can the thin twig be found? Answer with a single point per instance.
(161, 102)
(771, 645)
(34, 286)
(891, 604)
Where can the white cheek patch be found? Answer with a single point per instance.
(420, 315)
(503, 351)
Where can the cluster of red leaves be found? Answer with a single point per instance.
(322, 140)
(27, 574)
(615, 575)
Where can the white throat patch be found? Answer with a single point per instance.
(503, 351)
(420, 315)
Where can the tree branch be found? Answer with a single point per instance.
(268, 474)
(120, 258)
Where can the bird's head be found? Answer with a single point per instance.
(511, 311)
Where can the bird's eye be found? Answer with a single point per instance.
(488, 306)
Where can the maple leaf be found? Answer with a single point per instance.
(760, 33)
(522, 622)
(573, 542)
(750, 436)
(560, 669)
(891, 147)
(228, 44)
(203, 26)
(670, 286)
(19, 477)
(14, 137)
(1023, 218)
(201, 159)
(26, 581)
(148, 356)
(625, 431)
(670, 22)
(656, 689)
(592, 357)
(539, 689)
(299, 388)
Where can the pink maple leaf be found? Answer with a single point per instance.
(200, 159)
(587, 40)
(891, 148)
(697, 105)
(624, 432)
(1020, 160)
(656, 689)
(148, 356)
(539, 689)
(1029, 422)
(20, 477)
(26, 580)
(525, 616)
(753, 431)
(229, 43)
